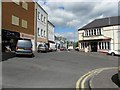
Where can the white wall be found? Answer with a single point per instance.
(51, 32)
(114, 34)
(40, 24)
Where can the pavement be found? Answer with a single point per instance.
(102, 78)
(7, 55)
(105, 79)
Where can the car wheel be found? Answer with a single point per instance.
(113, 54)
(38, 51)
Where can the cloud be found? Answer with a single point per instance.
(77, 13)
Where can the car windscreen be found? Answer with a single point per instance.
(24, 43)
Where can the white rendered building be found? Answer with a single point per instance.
(42, 25)
(51, 35)
(100, 35)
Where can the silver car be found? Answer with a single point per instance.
(43, 48)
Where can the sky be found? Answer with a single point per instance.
(70, 15)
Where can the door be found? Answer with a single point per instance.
(94, 46)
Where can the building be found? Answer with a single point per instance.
(42, 25)
(17, 22)
(60, 42)
(100, 35)
(0, 25)
(51, 35)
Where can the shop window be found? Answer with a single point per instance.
(108, 43)
(102, 45)
(99, 45)
(105, 45)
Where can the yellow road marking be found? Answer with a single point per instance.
(88, 74)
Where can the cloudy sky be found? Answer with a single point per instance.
(69, 15)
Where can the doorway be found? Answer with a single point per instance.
(93, 46)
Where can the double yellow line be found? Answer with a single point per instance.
(80, 84)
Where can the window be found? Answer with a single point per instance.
(16, 2)
(38, 31)
(99, 31)
(44, 20)
(44, 33)
(25, 5)
(108, 43)
(41, 32)
(39, 15)
(91, 32)
(87, 33)
(24, 23)
(81, 45)
(15, 20)
(102, 45)
(99, 45)
(105, 45)
(94, 31)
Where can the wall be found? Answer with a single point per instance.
(113, 33)
(10, 8)
(51, 32)
(41, 25)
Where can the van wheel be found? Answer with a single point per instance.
(38, 51)
(113, 54)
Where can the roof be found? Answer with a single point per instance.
(41, 7)
(51, 23)
(103, 22)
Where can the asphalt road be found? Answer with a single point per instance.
(52, 70)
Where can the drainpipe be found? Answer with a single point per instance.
(35, 27)
(47, 28)
(113, 39)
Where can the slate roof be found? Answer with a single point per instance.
(103, 22)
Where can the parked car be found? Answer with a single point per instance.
(24, 47)
(70, 48)
(77, 48)
(63, 49)
(43, 48)
(114, 52)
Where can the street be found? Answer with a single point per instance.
(52, 70)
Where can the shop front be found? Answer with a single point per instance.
(100, 45)
(9, 39)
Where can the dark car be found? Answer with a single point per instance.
(43, 48)
(24, 47)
